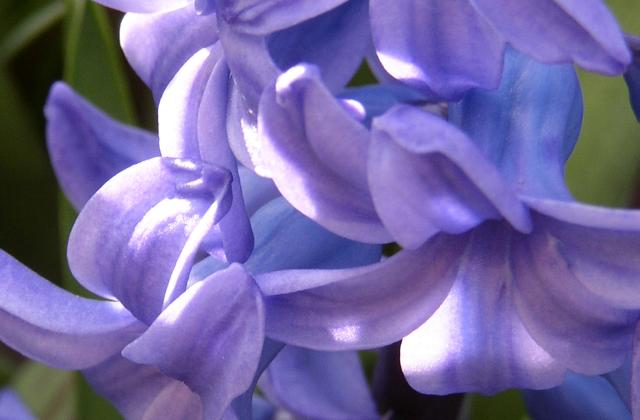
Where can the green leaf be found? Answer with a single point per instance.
(50, 393)
(507, 405)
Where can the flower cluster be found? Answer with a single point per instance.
(241, 246)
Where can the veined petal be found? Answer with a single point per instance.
(529, 126)
(442, 48)
(52, 326)
(426, 176)
(363, 307)
(579, 397)
(318, 159)
(137, 237)
(144, 6)
(87, 147)
(475, 341)
(216, 353)
(261, 17)
(561, 31)
(142, 392)
(314, 384)
(157, 45)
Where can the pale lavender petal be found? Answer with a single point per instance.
(136, 238)
(475, 341)
(426, 176)
(442, 48)
(142, 392)
(87, 147)
(157, 45)
(216, 353)
(260, 17)
(363, 307)
(561, 31)
(12, 407)
(580, 329)
(144, 6)
(313, 384)
(601, 247)
(318, 159)
(529, 126)
(52, 326)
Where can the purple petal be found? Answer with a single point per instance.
(475, 341)
(313, 384)
(87, 147)
(529, 126)
(363, 307)
(143, 392)
(137, 237)
(426, 176)
(52, 326)
(261, 17)
(157, 45)
(442, 48)
(632, 75)
(256, 190)
(215, 353)
(12, 407)
(561, 31)
(144, 6)
(580, 329)
(318, 160)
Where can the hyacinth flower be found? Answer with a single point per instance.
(505, 281)
(134, 242)
(12, 407)
(632, 75)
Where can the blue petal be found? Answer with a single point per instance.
(136, 238)
(87, 147)
(216, 353)
(529, 126)
(12, 407)
(579, 397)
(157, 45)
(52, 326)
(144, 6)
(632, 75)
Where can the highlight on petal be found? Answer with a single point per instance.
(529, 126)
(475, 341)
(216, 353)
(442, 48)
(87, 147)
(52, 326)
(364, 307)
(313, 384)
(157, 45)
(144, 6)
(259, 17)
(137, 237)
(318, 160)
(561, 31)
(426, 176)
(142, 392)
(579, 397)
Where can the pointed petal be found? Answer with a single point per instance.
(87, 147)
(218, 361)
(363, 307)
(579, 397)
(426, 176)
(313, 384)
(157, 45)
(137, 237)
(318, 160)
(261, 17)
(52, 326)
(12, 407)
(529, 126)
(285, 239)
(561, 31)
(142, 392)
(475, 341)
(442, 48)
(577, 327)
(144, 6)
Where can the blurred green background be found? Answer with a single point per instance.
(46, 40)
